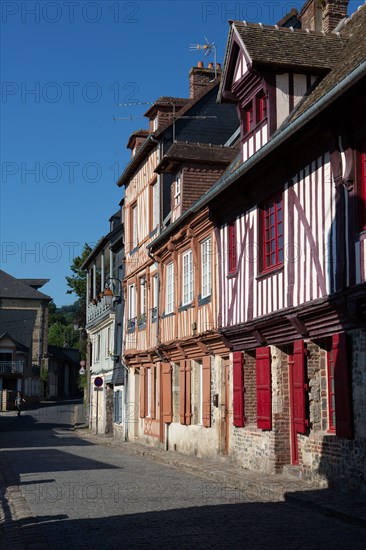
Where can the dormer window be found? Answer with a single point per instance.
(177, 190)
(155, 123)
(248, 117)
(261, 106)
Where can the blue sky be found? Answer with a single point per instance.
(65, 65)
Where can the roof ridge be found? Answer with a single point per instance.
(292, 30)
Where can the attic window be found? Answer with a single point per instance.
(248, 117)
(177, 190)
(155, 123)
(261, 102)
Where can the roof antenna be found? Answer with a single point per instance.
(209, 47)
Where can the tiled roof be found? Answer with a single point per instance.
(349, 59)
(279, 46)
(19, 324)
(35, 283)
(10, 287)
(197, 152)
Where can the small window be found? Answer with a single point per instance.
(248, 118)
(155, 123)
(131, 302)
(232, 247)
(97, 349)
(206, 268)
(261, 107)
(169, 304)
(154, 206)
(177, 190)
(134, 222)
(187, 278)
(273, 233)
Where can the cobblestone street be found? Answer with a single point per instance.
(63, 490)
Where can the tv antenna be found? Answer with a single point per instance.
(209, 47)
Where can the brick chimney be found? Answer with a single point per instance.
(200, 77)
(333, 12)
(323, 15)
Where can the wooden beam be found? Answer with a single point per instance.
(298, 325)
(203, 347)
(259, 337)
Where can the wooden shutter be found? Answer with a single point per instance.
(238, 389)
(206, 391)
(342, 386)
(188, 392)
(264, 389)
(142, 393)
(182, 392)
(166, 373)
(299, 387)
(153, 394)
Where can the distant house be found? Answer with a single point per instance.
(63, 370)
(23, 335)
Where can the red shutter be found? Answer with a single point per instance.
(342, 386)
(166, 374)
(206, 391)
(142, 393)
(264, 390)
(182, 392)
(153, 394)
(299, 387)
(188, 392)
(238, 389)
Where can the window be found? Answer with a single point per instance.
(148, 391)
(131, 307)
(118, 406)
(232, 247)
(97, 349)
(206, 268)
(187, 278)
(134, 226)
(361, 187)
(261, 104)
(108, 347)
(248, 118)
(142, 314)
(154, 311)
(273, 233)
(169, 303)
(177, 190)
(155, 205)
(155, 123)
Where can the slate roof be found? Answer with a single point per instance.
(60, 353)
(18, 345)
(10, 287)
(19, 324)
(35, 283)
(197, 152)
(283, 47)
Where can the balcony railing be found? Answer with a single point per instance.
(11, 367)
(95, 310)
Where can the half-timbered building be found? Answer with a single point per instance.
(290, 227)
(148, 209)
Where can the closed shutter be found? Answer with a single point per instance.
(342, 386)
(264, 390)
(182, 392)
(299, 387)
(153, 386)
(238, 389)
(188, 392)
(206, 391)
(166, 373)
(142, 393)
(115, 409)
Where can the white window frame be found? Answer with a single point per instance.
(134, 226)
(206, 268)
(169, 302)
(177, 190)
(108, 342)
(156, 291)
(142, 295)
(155, 205)
(97, 349)
(187, 272)
(148, 393)
(155, 123)
(132, 301)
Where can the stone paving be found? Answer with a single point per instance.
(73, 489)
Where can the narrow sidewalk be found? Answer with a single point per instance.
(229, 479)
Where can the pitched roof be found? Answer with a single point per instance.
(60, 353)
(165, 101)
(18, 345)
(285, 47)
(10, 287)
(196, 152)
(150, 141)
(35, 283)
(353, 54)
(19, 324)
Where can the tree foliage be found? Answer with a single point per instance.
(77, 284)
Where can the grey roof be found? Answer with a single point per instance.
(18, 345)
(62, 354)
(281, 46)
(35, 283)
(197, 152)
(10, 287)
(19, 324)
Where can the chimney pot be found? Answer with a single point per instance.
(218, 66)
(210, 66)
(200, 64)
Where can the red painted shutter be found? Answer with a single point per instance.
(264, 389)
(188, 392)
(299, 387)
(182, 392)
(153, 399)
(238, 389)
(142, 393)
(206, 391)
(166, 373)
(342, 386)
